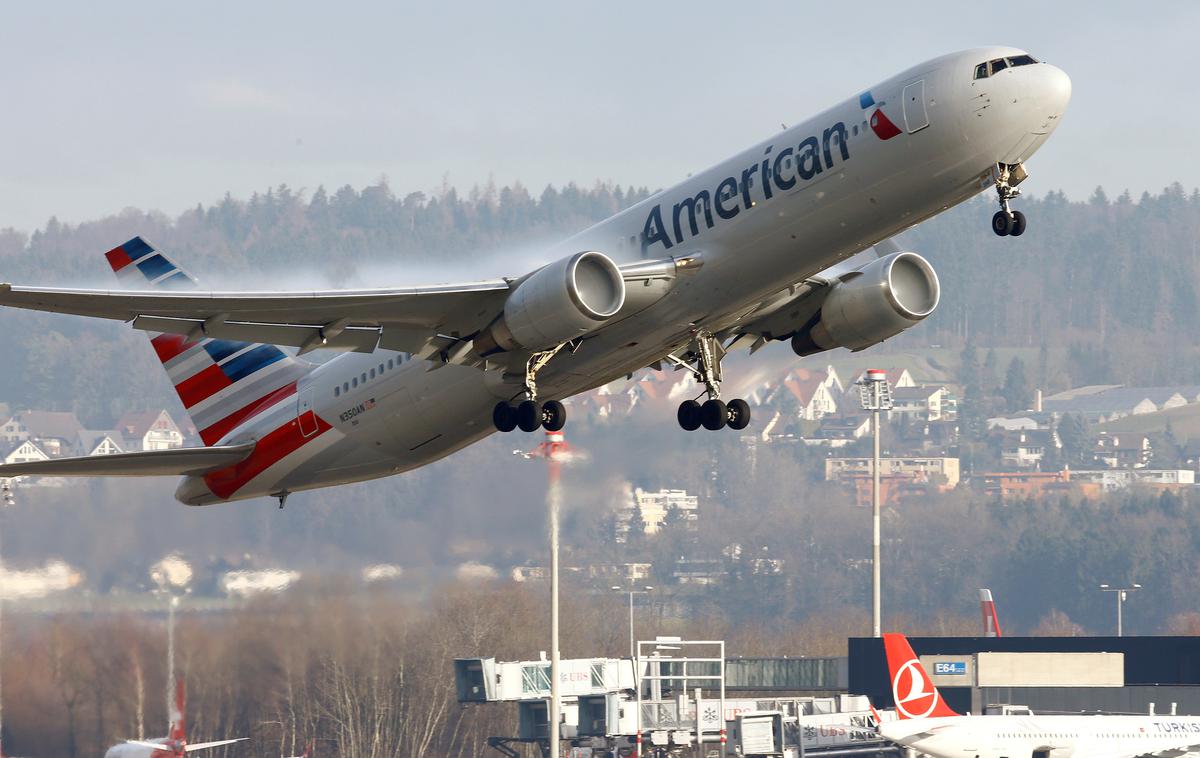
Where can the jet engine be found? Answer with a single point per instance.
(557, 303)
(867, 306)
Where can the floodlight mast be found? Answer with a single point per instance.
(1122, 594)
(875, 396)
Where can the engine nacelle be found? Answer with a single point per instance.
(557, 303)
(881, 300)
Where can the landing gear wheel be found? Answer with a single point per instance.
(739, 414)
(529, 416)
(714, 415)
(554, 416)
(689, 415)
(504, 417)
(1002, 224)
(1018, 227)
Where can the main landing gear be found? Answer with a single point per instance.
(713, 413)
(1008, 222)
(529, 414)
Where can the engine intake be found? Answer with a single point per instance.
(881, 300)
(557, 303)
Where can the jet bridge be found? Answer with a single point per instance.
(673, 699)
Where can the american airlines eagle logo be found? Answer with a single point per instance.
(913, 692)
(880, 124)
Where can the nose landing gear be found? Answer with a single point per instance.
(713, 414)
(1008, 222)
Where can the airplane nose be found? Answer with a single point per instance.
(1054, 88)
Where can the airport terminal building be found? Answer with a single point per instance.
(1048, 674)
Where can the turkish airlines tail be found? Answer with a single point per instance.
(912, 689)
(178, 730)
(991, 621)
(221, 382)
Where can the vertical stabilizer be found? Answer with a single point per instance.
(991, 621)
(220, 382)
(178, 731)
(912, 689)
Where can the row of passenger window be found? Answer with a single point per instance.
(370, 374)
(984, 70)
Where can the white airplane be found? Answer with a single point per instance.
(927, 725)
(174, 745)
(762, 246)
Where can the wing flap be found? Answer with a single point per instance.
(177, 462)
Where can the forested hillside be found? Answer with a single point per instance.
(1110, 281)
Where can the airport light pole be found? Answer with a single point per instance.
(875, 396)
(1121, 593)
(644, 591)
(556, 451)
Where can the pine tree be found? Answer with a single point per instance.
(1016, 392)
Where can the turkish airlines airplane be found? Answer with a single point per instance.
(790, 239)
(174, 745)
(929, 726)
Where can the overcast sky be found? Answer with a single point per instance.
(158, 105)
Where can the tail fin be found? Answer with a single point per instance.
(220, 382)
(912, 689)
(991, 621)
(178, 721)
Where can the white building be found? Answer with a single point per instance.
(654, 507)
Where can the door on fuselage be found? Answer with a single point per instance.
(305, 417)
(916, 117)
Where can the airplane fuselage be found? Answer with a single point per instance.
(771, 216)
(1058, 736)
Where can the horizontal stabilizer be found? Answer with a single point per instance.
(177, 462)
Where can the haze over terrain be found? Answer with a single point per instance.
(1095, 292)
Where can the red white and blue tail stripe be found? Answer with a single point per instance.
(221, 383)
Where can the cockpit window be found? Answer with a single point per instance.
(984, 70)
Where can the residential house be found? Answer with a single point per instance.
(655, 507)
(54, 431)
(944, 470)
(92, 442)
(24, 451)
(840, 431)
(931, 403)
(1032, 484)
(1106, 402)
(150, 430)
(1026, 448)
(1122, 450)
(809, 392)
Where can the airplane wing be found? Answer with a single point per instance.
(420, 320)
(404, 319)
(218, 743)
(1174, 752)
(177, 462)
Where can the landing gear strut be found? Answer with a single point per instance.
(713, 414)
(1007, 221)
(529, 414)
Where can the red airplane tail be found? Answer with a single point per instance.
(912, 689)
(991, 620)
(178, 723)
